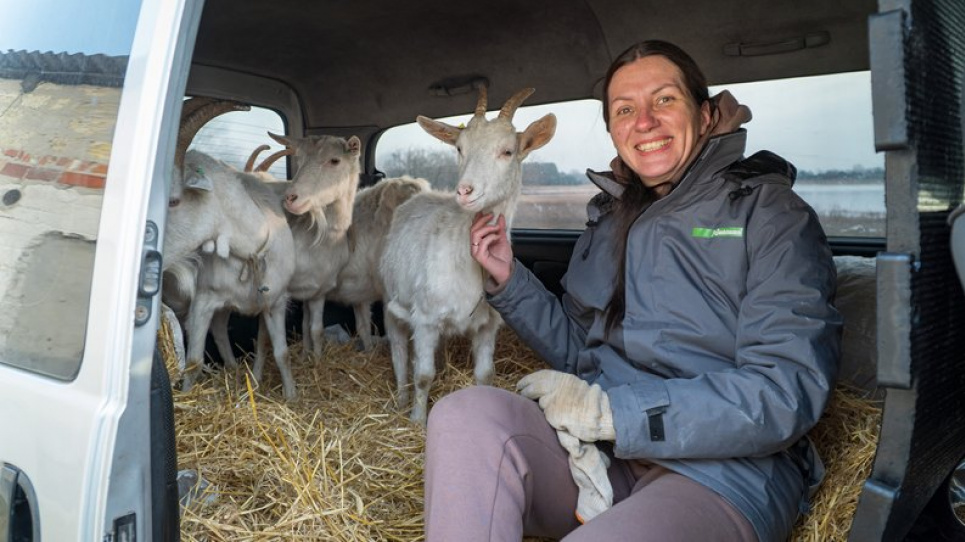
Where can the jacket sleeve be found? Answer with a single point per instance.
(555, 329)
(787, 347)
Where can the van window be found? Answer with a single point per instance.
(61, 77)
(822, 124)
(234, 136)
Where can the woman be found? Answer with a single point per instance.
(695, 346)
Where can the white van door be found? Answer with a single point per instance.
(88, 89)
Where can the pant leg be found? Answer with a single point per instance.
(667, 507)
(494, 470)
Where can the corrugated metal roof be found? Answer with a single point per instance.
(33, 67)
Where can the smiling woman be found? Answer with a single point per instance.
(656, 123)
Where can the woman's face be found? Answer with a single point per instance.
(654, 123)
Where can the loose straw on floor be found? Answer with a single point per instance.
(342, 463)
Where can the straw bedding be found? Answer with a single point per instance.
(343, 464)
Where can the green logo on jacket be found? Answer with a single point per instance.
(709, 233)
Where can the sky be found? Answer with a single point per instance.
(77, 26)
(818, 123)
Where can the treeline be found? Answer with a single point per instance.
(858, 174)
(442, 171)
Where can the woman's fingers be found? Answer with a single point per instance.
(482, 227)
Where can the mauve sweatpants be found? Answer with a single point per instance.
(495, 471)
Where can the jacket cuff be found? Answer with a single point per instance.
(502, 295)
(638, 410)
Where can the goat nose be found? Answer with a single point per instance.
(464, 189)
(290, 198)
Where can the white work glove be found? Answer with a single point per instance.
(570, 404)
(588, 466)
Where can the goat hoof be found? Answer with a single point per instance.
(418, 418)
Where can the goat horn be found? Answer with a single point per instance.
(481, 103)
(509, 108)
(272, 158)
(250, 164)
(191, 105)
(196, 115)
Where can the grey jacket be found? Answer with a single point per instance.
(729, 346)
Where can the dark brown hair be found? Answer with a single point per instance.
(636, 196)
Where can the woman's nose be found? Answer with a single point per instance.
(644, 121)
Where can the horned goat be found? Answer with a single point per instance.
(227, 228)
(359, 284)
(432, 284)
(319, 204)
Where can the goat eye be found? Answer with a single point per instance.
(334, 161)
(507, 153)
(458, 149)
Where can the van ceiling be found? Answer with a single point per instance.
(371, 63)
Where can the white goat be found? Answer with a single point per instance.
(215, 206)
(432, 284)
(359, 284)
(319, 204)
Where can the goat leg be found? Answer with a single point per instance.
(483, 346)
(399, 345)
(274, 321)
(199, 320)
(425, 338)
(219, 330)
(316, 308)
(363, 325)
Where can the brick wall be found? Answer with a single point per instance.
(56, 133)
(55, 144)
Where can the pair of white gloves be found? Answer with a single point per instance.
(581, 415)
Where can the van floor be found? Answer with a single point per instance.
(342, 462)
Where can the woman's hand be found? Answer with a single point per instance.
(489, 245)
(570, 404)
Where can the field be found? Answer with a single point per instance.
(564, 207)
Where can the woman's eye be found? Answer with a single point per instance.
(663, 100)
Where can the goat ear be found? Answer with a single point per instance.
(536, 135)
(386, 207)
(282, 140)
(197, 180)
(353, 145)
(439, 130)
(392, 196)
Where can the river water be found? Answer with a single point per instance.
(843, 198)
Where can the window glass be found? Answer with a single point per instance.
(235, 136)
(822, 124)
(61, 75)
